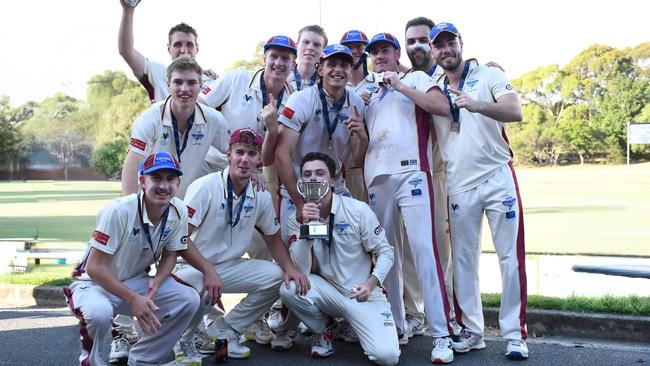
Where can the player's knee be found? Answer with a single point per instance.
(99, 315)
(384, 355)
(288, 294)
(189, 298)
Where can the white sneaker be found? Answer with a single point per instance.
(467, 342)
(275, 316)
(346, 333)
(119, 350)
(414, 327)
(236, 349)
(517, 349)
(259, 332)
(321, 345)
(442, 351)
(403, 339)
(281, 341)
(187, 354)
(204, 343)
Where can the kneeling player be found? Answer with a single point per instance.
(343, 280)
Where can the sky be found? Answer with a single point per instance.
(56, 46)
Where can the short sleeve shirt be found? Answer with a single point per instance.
(215, 236)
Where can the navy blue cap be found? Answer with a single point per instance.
(283, 42)
(353, 36)
(383, 37)
(159, 161)
(441, 28)
(337, 49)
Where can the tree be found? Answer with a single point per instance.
(254, 64)
(109, 157)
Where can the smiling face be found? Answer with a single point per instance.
(418, 48)
(335, 71)
(182, 43)
(384, 57)
(448, 51)
(316, 171)
(159, 187)
(184, 87)
(244, 159)
(310, 47)
(278, 62)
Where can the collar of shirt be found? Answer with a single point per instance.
(330, 100)
(145, 215)
(250, 190)
(199, 116)
(254, 85)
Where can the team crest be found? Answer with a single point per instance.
(341, 227)
(166, 233)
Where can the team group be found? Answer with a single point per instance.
(413, 157)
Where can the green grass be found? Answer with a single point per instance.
(629, 305)
(45, 274)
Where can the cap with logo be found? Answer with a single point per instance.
(159, 161)
(383, 37)
(337, 49)
(247, 136)
(354, 36)
(441, 28)
(282, 42)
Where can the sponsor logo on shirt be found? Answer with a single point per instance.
(184, 239)
(455, 209)
(509, 202)
(138, 144)
(247, 210)
(469, 84)
(416, 192)
(136, 231)
(372, 197)
(287, 112)
(378, 230)
(100, 237)
(247, 98)
(197, 136)
(190, 212)
(292, 239)
(510, 215)
(206, 90)
(341, 227)
(508, 87)
(415, 182)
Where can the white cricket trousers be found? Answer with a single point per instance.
(259, 279)
(408, 197)
(499, 198)
(371, 320)
(95, 308)
(413, 297)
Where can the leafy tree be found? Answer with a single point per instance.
(109, 157)
(9, 135)
(254, 64)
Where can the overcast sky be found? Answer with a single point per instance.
(51, 46)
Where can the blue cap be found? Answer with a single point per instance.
(158, 161)
(441, 28)
(353, 36)
(337, 49)
(281, 41)
(383, 37)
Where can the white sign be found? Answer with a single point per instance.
(638, 133)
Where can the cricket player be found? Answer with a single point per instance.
(132, 234)
(182, 40)
(224, 210)
(398, 174)
(481, 179)
(311, 42)
(178, 125)
(344, 279)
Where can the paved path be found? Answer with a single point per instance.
(49, 336)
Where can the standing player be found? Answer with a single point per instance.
(398, 174)
(224, 210)
(481, 178)
(344, 281)
(178, 125)
(419, 53)
(311, 42)
(152, 75)
(133, 233)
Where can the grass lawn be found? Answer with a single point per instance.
(571, 209)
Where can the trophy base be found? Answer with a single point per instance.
(314, 231)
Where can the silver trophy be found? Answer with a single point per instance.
(313, 192)
(131, 3)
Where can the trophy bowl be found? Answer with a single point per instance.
(313, 191)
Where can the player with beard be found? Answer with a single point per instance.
(481, 179)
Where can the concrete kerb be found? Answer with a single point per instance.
(541, 323)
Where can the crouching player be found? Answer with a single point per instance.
(224, 209)
(343, 281)
(133, 233)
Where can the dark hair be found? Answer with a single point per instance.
(184, 62)
(420, 21)
(313, 156)
(183, 28)
(316, 29)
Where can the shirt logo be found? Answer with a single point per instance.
(136, 231)
(292, 239)
(190, 212)
(287, 112)
(100, 237)
(197, 136)
(471, 83)
(206, 90)
(371, 197)
(455, 209)
(247, 98)
(184, 239)
(378, 230)
(415, 182)
(509, 202)
(165, 135)
(416, 192)
(138, 144)
(166, 233)
(341, 227)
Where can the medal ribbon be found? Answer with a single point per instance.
(229, 201)
(145, 227)
(180, 149)
(455, 111)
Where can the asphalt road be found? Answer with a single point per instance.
(49, 336)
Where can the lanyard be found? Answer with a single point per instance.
(179, 148)
(330, 229)
(455, 111)
(145, 227)
(337, 107)
(296, 75)
(432, 70)
(363, 60)
(229, 201)
(265, 97)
